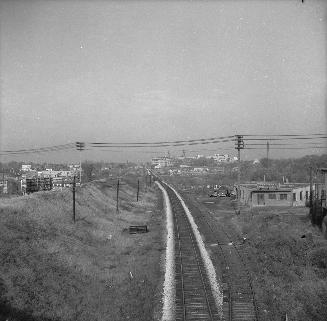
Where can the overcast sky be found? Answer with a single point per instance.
(129, 71)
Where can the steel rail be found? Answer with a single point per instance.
(186, 232)
(247, 272)
(181, 267)
(227, 263)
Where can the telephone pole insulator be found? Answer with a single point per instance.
(239, 144)
(80, 146)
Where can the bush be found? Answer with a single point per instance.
(318, 257)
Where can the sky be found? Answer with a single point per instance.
(148, 71)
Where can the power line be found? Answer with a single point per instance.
(281, 144)
(163, 145)
(313, 147)
(136, 146)
(288, 138)
(165, 142)
(38, 150)
(286, 135)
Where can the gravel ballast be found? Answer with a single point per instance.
(168, 313)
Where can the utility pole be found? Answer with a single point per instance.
(138, 190)
(267, 160)
(311, 190)
(117, 198)
(239, 145)
(267, 155)
(80, 146)
(74, 190)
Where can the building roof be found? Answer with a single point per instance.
(279, 190)
(270, 187)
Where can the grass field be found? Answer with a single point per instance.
(53, 269)
(288, 259)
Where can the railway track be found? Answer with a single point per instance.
(194, 298)
(239, 301)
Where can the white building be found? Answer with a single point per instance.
(26, 168)
(222, 158)
(159, 162)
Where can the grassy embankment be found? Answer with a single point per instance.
(288, 260)
(53, 269)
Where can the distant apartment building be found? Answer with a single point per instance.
(224, 158)
(159, 162)
(74, 167)
(26, 168)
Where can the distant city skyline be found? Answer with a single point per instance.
(123, 71)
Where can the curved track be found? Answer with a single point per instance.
(194, 299)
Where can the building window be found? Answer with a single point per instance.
(272, 196)
(283, 196)
(306, 195)
(294, 196)
(301, 195)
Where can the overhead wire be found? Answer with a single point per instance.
(165, 142)
(312, 147)
(286, 135)
(289, 138)
(38, 150)
(286, 140)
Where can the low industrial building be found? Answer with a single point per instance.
(274, 194)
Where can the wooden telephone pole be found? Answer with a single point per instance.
(138, 190)
(80, 146)
(74, 190)
(239, 145)
(117, 198)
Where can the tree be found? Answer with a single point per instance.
(87, 170)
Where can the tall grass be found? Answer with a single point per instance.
(53, 269)
(288, 262)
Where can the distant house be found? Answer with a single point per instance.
(200, 169)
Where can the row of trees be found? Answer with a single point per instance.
(292, 170)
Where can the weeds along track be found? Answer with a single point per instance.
(239, 299)
(194, 298)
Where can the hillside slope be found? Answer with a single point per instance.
(53, 269)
